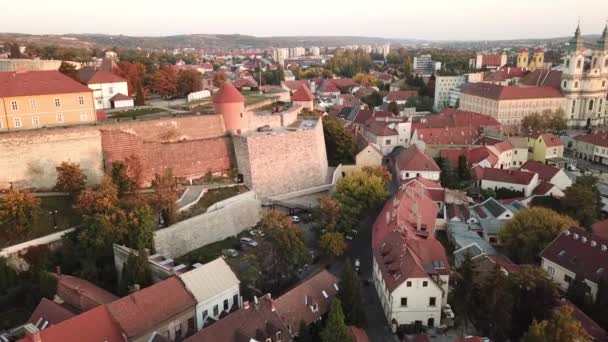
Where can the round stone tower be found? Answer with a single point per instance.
(231, 105)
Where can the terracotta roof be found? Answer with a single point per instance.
(543, 78)
(328, 87)
(82, 294)
(545, 172)
(550, 139)
(573, 250)
(51, 312)
(380, 128)
(503, 146)
(245, 82)
(447, 135)
(141, 311)
(358, 334)
(543, 188)
(591, 327)
(451, 117)
(104, 77)
(414, 159)
(93, 325)
(498, 92)
(120, 97)
(504, 74)
(252, 321)
(490, 60)
(38, 83)
(343, 82)
(508, 176)
(317, 290)
(598, 138)
(600, 229)
(474, 156)
(401, 95)
(364, 115)
(303, 94)
(228, 94)
(295, 85)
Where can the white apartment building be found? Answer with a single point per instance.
(214, 287)
(443, 86)
(109, 90)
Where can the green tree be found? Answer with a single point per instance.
(120, 177)
(189, 81)
(373, 100)
(561, 327)
(534, 297)
(136, 271)
(393, 107)
(18, 212)
(448, 177)
(357, 193)
(165, 196)
(530, 230)
(140, 226)
(351, 296)
(70, 178)
(329, 210)
(8, 276)
(335, 327)
(579, 293)
(464, 173)
(582, 201)
(487, 193)
(347, 63)
(497, 303)
(140, 97)
(332, 243)
(340, 144)
(304, 334)
(466, 290)
(47, 285)
(600, 306)
(69, 70)
(284, 247)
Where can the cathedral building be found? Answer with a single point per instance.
(535, 63)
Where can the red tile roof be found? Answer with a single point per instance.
(303, 94)
(545, 172)
(414, 159)
(401, 95)
(600, 229)
(550, 139)
(504, 74)
(474, 156)
(591, 327)
(228, 94)
(328, 87)
(498, 92)
(82, 294)
(254, 321)
(380, 128)
(38, 83)
(93, 325)
(503, 146)
(490, 60)
(245, 82)
(365, 114)
(451, 117)
(447, 135)
(582, 258)
(120, 97)
(141, 311)
(598, 138)
(292, 306)
(508, 176)
(105, 77)
(543, 78)
(51, 312)
(295, 85)
(544, 188)
(358, 334)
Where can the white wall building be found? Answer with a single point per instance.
(105, 86)
(516, 180)
(214, 287)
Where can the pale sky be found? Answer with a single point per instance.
(421, 19)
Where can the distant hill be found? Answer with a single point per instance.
(232, 41)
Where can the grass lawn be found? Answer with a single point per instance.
(209, 252)
(132, 113)
(211, 197)
(280, 104)
(67, 217)
(253, 97)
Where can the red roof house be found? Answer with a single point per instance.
(413, 162)
(303, 94)
(499, 92)
(30, 83)
(82, 294)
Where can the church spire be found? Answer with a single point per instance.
(577, 43)
(603, 42)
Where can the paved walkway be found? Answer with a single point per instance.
(190, 197)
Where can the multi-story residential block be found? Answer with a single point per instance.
(509, 104)
(585, 82)
(314, 51)
(424, 65)
(548, 173)
(215, 288)
(37, 99)
(576, 252)
(280, 55)
(443, 86)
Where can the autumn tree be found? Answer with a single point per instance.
(134, 74)
(582, 201)
(69, 70)
(357, 193)
(136, 271)
(350, 293)
(140, 97)
(340, 144)
(120, 177)
(284, 248)
(165, 196)
(102, 200)
(546, 121)
(365, 79)
(189, 81)
(531, 230)
(329, 212)
(219, 78)
(562, 326)
(70, 178)
(18, 212)
(140, 226)
(164, 82)
(332, 243)
(379, 171)
(336, 329)
(135, 170)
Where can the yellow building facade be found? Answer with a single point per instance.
(535, 63)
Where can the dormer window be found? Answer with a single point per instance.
(315, 307)
(278, 335)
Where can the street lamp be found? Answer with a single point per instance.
(54, 213)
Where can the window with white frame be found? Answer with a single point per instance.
(17, 121)
(84, 116)
(59, 118)
(33, 104)
(14, 105)
(81, 100)
(550, 270)
(57, 102)
(110, 90)
(35, 120)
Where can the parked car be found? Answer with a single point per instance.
(354, 232)
(230, 253)
(256, 232)
(349, 237)
(248, 242)
(265, 128)
(572, 168)
(295, 219)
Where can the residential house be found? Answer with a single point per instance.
(467, 242)
(37, 99)
(489, 217)
(49, 313)
(545, 147)
(368, 154)
(80, 294)
(489, 61)
(523, 181)
(109, 90)
(548, 173)
(384, 130)
(303, 97)
(400, 97)
(592, 147)
(215, 288)
(165, 307)
(413, 162)
(410, 267)
(575, 252)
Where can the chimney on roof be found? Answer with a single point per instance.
(604, 248)
(419, 222)
(388, 217)
(246, 305)
(33, 333)
(255, 300)
(305, 299)
(593, 243)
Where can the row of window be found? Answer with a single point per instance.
(432, 301)
(34, 104)
(18, 122)
(216, 308)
